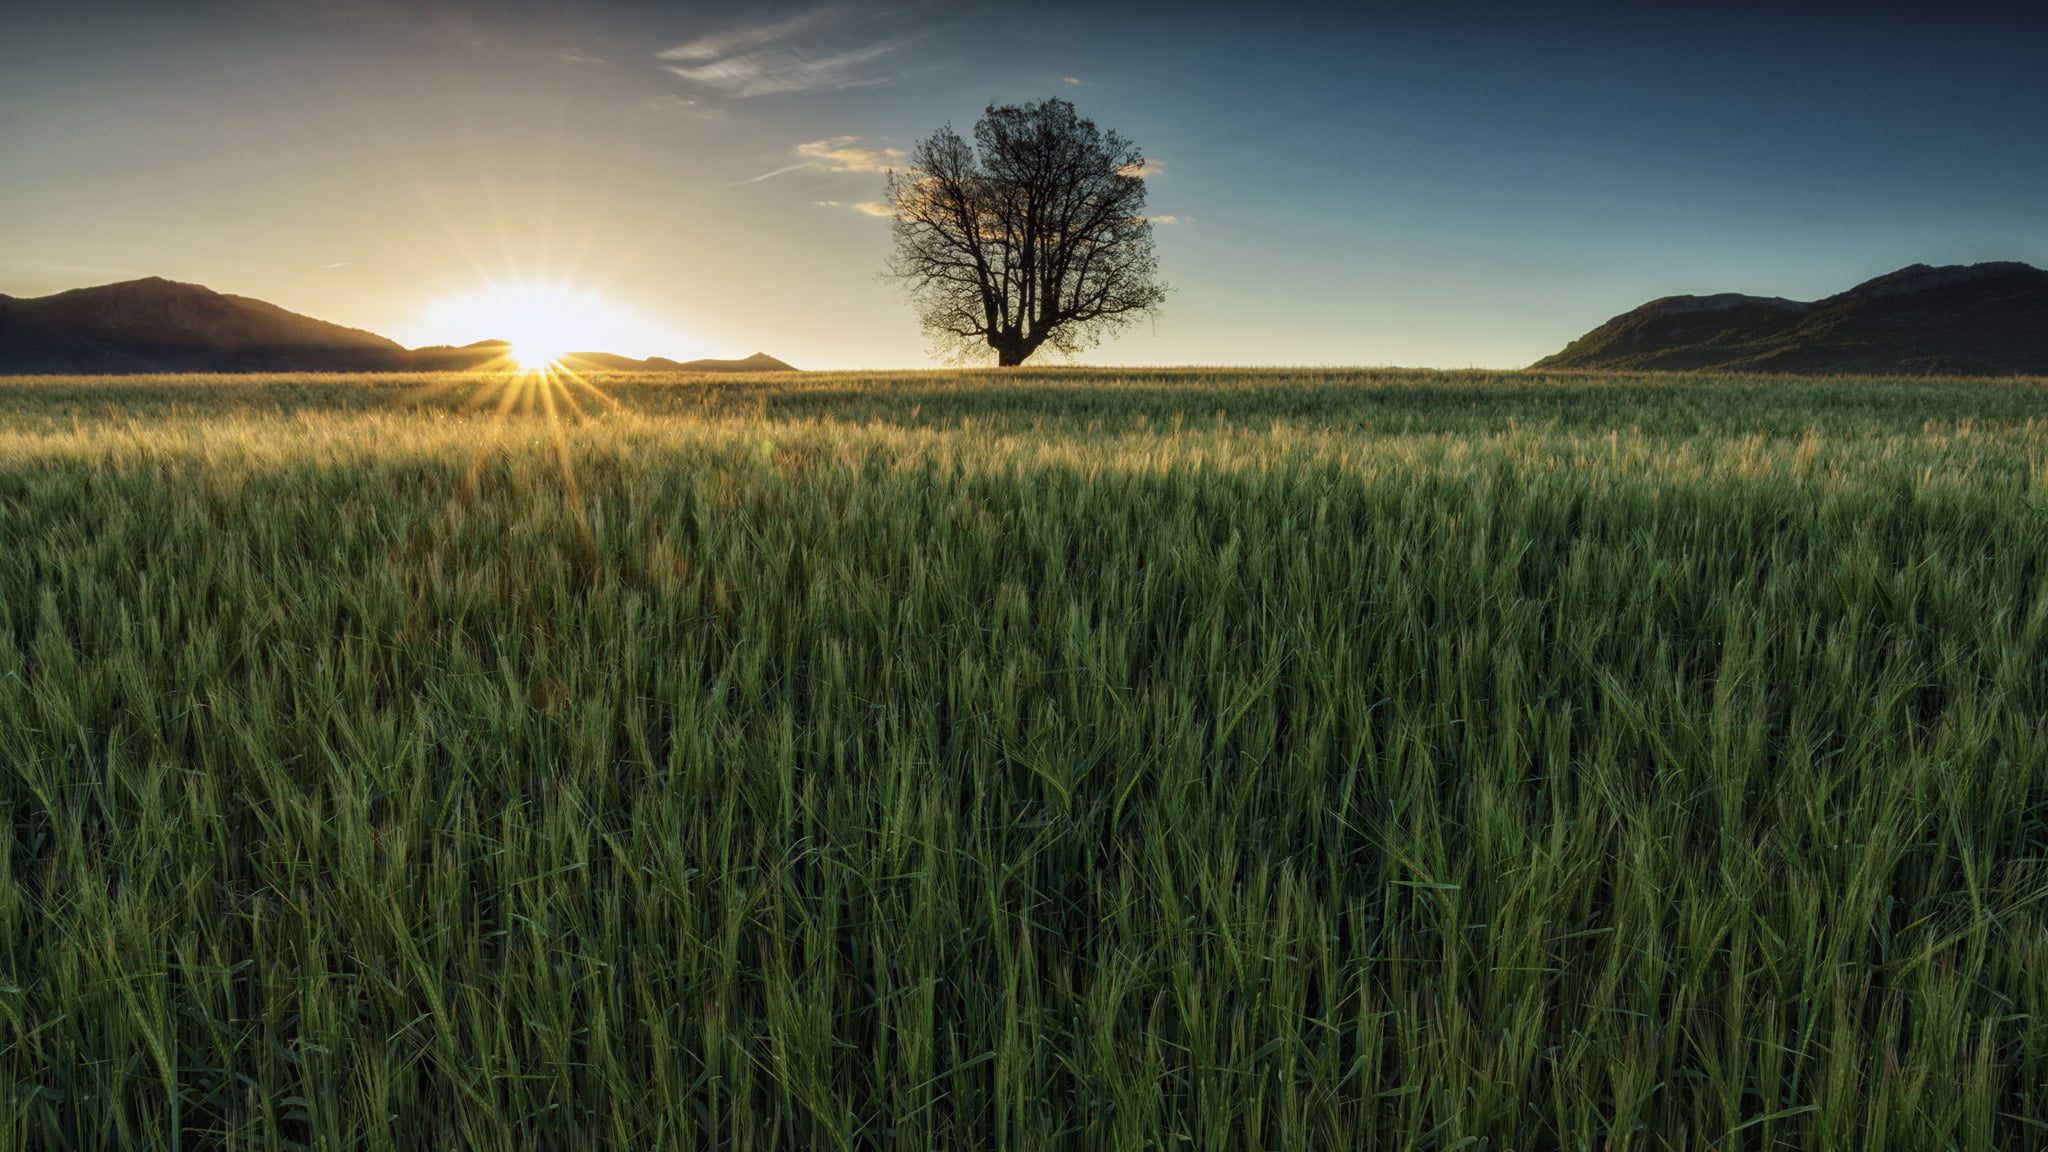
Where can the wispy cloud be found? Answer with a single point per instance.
(777, 172)
(835, 154)
(865, 207)
(828, 48)
(1071, 79)
(673, 105)
(1143, 168)
(845, 154)
(747, 37)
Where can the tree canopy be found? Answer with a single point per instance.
(1035, 235)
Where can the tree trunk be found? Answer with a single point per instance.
(1010, 351)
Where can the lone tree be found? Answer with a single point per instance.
(1035, 235)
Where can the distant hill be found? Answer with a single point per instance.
(1959, 320)
(466, 358)
(758, 362)
(492, 354)
(158, 325)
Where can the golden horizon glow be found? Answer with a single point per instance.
(544, 326)
(536, 356)
(545, 321)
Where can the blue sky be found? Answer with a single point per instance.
(1474, 185)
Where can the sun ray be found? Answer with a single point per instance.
(537, 378)
(547, 320)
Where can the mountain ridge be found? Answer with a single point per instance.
(153, 324)
(1988, 319)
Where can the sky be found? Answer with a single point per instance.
(1473, 185)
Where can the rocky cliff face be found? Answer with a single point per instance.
(1960, 320)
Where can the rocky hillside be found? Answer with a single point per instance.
(1959, 320)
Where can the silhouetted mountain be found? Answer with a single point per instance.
(758, 362)
(158, 325)
(466, 358)
(602, 362)
(608, 362)
(1959, 320)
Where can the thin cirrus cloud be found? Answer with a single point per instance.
(836, 154)
(845, 154)
(823, 49)
(865, 207)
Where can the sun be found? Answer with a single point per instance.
(537, 355)
(546, 321)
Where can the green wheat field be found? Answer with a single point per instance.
(1193, 759)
